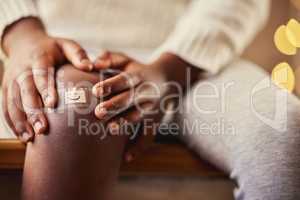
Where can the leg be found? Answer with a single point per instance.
(247, 128)
(72, 161)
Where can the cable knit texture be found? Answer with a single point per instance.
(208, 34)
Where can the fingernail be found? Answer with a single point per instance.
(107, 91)
(88, 63)
(38, 127)
(91, 67)
(103, 62)
(102, 112)
(114, 129)
(25, 137)
(129, 158)
(98, 91)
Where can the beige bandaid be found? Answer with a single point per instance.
(75, 96)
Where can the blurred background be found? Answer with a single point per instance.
(263, 52)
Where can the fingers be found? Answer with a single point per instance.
(17, 118)
(116, 84)
(120, 103)
(43, 75)
(111, 60)
(32, 103)
(75, 54)
(114, 106)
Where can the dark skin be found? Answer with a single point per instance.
(147, 87)
(33, 57)
(63, 164)
(58, 161)
(30, 49)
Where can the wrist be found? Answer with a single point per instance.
(176, 69)
(26, 30)
(170, 59)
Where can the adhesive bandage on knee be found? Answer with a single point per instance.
(75, 96)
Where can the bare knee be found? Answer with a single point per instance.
(73, 122)
(73, 160)
(75, 103)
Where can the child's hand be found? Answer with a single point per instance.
(29, 82)
(136, 85)
(136, 96)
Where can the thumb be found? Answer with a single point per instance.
(75, 54)
(111, 60)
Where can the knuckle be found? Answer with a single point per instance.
(39, 71)
(42, 69)
(125, 76)
(22, 76)
(32, 117)
(116, 106)
(42, 83)
(43, 75)
(132, 79)
(79, 51)
(30, 91)
(44, 90)
(39, 54)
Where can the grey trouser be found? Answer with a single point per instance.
(249, 128)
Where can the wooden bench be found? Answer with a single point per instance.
(163, 159)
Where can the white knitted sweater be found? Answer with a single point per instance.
(207, 33)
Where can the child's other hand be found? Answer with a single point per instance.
(135, 96)
(29, 81)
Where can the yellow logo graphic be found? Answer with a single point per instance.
(283, 76)
(293, 32)
(287, 40)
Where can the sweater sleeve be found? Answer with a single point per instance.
(210, 34)
(13, 10)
